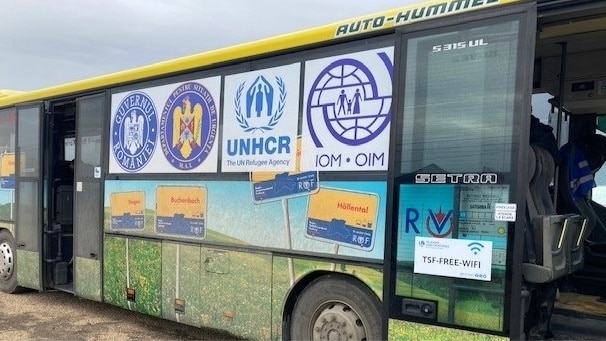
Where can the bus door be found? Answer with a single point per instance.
(88, 194)
(457, 180)
(29, 195)
(71, 232)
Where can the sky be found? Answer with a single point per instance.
(45, 43)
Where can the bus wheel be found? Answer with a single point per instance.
(8, 278)
(336, 308)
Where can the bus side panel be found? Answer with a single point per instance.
(145, 275)
(405, 330)
(181, 283)
(28, 263)
(323, 222)
(236, 292)
(282, 285)
(204, 287)
(133, 274)
(88, 277)
(114, 271)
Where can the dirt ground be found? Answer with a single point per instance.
(62, 316)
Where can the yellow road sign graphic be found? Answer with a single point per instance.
(127, 210)
(181, 210)
(7, 164)
(343, 217)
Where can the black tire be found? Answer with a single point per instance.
(335, 307)
(8, 275)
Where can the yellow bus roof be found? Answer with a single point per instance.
(360, 25)
(6, 92)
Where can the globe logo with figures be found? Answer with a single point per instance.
(354, 108)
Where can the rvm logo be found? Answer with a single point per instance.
(438, 224)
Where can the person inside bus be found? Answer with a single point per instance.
(541, 135)
(585, 156)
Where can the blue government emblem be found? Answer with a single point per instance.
(134, 131)
(347, 96)
(263, 109)
(188, 126)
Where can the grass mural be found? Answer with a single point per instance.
(221, 288)
(140, 270)
(88, 278)
(244, 291)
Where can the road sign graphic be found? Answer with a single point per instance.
(181, 211)
(343, 217)
(127, 211)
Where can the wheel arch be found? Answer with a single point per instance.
(2, 228)
(304, 282)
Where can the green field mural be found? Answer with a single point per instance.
(145, 275)
(410, 331)
(133, 264)
(478, 304)
(186, 280)
(236, 292)
(181, 280)
(28, 265)
(204, 286)
(192, 284)
(87, 278)
(114, 271)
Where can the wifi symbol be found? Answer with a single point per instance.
(475, 247)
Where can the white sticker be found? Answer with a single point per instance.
(461, 258)
(505, 212)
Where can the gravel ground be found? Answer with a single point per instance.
(62, 316)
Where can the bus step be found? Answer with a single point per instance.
(60, 273)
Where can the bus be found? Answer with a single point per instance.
(427, 172)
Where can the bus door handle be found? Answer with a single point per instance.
(93, 255)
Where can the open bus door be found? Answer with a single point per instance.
(58, 195)
(457, 182)
(71, 234)
(29, 195)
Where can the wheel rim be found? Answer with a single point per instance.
(6, 261)
(337, 321)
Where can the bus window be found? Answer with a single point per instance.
(7, 163)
